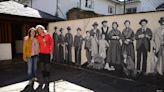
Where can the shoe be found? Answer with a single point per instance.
(46, 88)
(39, 88)
(28, 88)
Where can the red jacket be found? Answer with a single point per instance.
(47, 46)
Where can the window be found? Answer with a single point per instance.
(131, 10)
(110, 9)
(89, 4)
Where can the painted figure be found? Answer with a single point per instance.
(61, 47)
(78, 41)
(115, 45)
(158, 45)
(55, 51)
(103, 44)
(96, 31)
(88, 46)
(143, 37)
(105, 29)
(94, 46)
(128, 65)
(128, 38)
(69, 44)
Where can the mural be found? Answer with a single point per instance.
(137, 46)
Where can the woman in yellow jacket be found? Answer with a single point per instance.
(30, 53)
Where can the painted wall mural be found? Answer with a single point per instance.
(132, 41)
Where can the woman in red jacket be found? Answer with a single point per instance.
(45, 49)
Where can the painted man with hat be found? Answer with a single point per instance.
(55, 38)
(105, 29)
(95, 30)
(78, 40)
(69, 44)
(61, 46)
(158, 44)
(143, 37)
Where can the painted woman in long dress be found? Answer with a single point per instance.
(128, 38)
(115, 45)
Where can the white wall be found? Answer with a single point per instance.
(5, 51)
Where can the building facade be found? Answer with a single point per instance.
(103, 7)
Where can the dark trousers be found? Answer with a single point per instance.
(44, 60)
(142, 52)
(88, 55)
(61, 54)
(69, 54)
(78, 55)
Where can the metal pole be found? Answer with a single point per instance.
(57, 8)
(80, 4)
(124, 6)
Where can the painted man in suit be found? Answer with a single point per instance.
(143, 37)
(61, 46)
(87, 46)
(78, 40)
(105, 29)
(69, 44)
(158, 46)
(55, 51)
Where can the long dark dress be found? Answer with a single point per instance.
(115, 47)
(69, 41)
(128, 34)
(55, 51)
(61, 49)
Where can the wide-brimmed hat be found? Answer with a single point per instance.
(161, 20)
(68, 28)
(143, 20)
(104, 21)
(78, 29)
(55, 27)
(127, 21)
(95, 24)
(61, 29)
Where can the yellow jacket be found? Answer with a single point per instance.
(27, 48)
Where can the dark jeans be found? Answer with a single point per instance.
(142, 52)
(32, 66)
(44, 60)
(78, 55)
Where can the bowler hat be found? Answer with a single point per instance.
(78, 29)
(104, 21)
(143, 20)
(61, 29)
(68, 28)
(55, 27)
(95, 24)
(161, 20)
